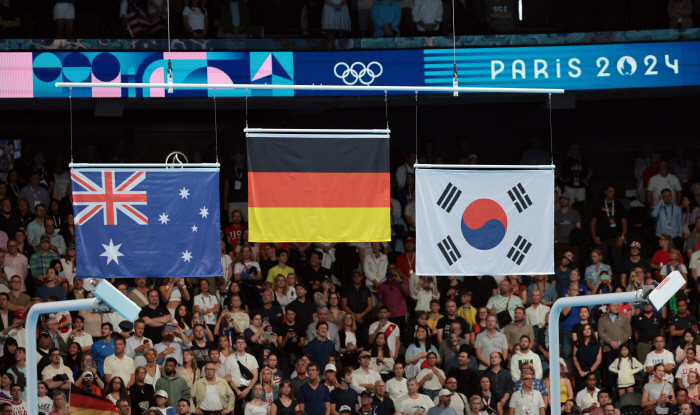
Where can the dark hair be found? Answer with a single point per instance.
(679, 390)
(321, 323)
(185, 321)
(7, 296)
(383, 307)
(281, 251)
(344, 372)
(374, 352)
(171, 360)
(123, 391)
(480, 390)
(318, 254)
(291, 390)
(313, 364)
(427, 338)
(581, 341)
(79, 317)
(121, 339)
(5, 405)
(183, 400)
(629, 355)
(603, 390)
(111, 327)
(524, 336)
(589, 375)
(692, 333)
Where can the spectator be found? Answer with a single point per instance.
(431, 379)
(10, 22)
(427, 15)
(155, 316)
(575, 174)
(136, 344)
(663, 180)
(384, 404)
(609, 228)
(396, 386)
(56, 374)
(415, 403)
(659, 356)
(452, 344)
(504, 301)
(241, 378)
(389, 329)
(587, 398)
(682, 407)
(116, 391)
(386, 16)
(291, 336)
(594, 271)
(658, 392)
(692, 243)
(9, 223)
(566, 220)
(357, 300)
(483, 287)
(407, 166)
(682, 321)
(285, 404)
(444, 323)
(689, 342)
(547, 290)
(41, 260)
(195, 20)
(535, 314)
(281, 267)
(614, 330)
(336, 15)
(200, 390)
(174, 386)
(516, 330)
(168, 347)
(534, 403)
(314, 398)
(364, 378)
(300, 378)
(303, 307)
(490, 341)
(33, 192)
(680, 15)
(418, 351)
(103, 347)
(444, 404)
(630, 264)
(45, 403)
(141, 393)
(392, 293)
(343, 395)
(647, 326)
(58, 245)
(625, 367)
(669, 219)
(119, 364)
(587, 356)
(691, 365)
(501, 16)
(173, 291)
(60, 404)
(467, 379)
(525, 355)
(320, 348)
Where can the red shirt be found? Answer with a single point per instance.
(662, 257)
(406, 264)
(233, 234)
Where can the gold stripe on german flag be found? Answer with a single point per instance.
(306, 187)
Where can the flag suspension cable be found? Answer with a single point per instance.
(483, 167)
(551, 132)
(70, 101)
(311, 87)
(216, 130)
(416, 122)
(386, 109)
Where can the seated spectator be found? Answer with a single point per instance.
(634, 260)
(382, 360)
(685, 368)
(9, 19)
(658, 392)
(587, 398)
(195, 20)
(427, 14)
(414, 401)
(625, 367)
(680, 13)
(386, 16)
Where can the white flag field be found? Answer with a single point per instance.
(484, 222)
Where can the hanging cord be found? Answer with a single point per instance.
(216, 129)
(416, 122)
(70, 100)
(551, 134)
(455, 77)
(246, 108)
(170, 64)
(386, 109)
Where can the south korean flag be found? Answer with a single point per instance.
(484, 222)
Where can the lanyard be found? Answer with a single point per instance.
(489, 401)
(410, 262)
(666, 213)
(211, 305)
(607, 212)
(523, 398)
(238, 176)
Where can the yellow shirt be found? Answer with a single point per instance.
(276, 270)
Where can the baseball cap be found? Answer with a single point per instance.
(162, 394)
(153, 410)
(568, 255)
(87, 374)
(44, 238)
(410, 238)
(19, 315)
(70, 246)
(636, 244)
(345, 409)
(357, 271)
(365, 353)
(444, 392)
(366, 393)
(565, 196)
(473, 156)
(330, 368)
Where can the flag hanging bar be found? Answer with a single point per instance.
(312, 87)
(140, 165)
(483, 167)
(286, 130)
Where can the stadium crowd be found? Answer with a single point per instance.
(325, 328)
(129, 19)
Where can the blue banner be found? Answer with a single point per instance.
(577, 67)
(146, 223)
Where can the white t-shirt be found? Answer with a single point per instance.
(694, 262)
(664, 357)
(410, 406)
(232, 367)
(19, 409)
(584, 399)
(45, 404)
(397, 390)
(195, 17)
(207, 302)
(432, 383)
(225, 262)
(657, 183)
(211, 401)
(684, 369)
(526, 402)
(457, 402)
(391, 338)
(240, 267)
(68, 270)
(681, 268)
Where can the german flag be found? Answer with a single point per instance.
(83, 402)
(318, 187)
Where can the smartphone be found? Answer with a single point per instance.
(60, 273)
(169, 327)
(267, 335)
(382, 319)
(89, 362)
(389, 275)
(429, 279)
(266, 320)
(605, 277)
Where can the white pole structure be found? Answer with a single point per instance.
(140, 165)
(313, 87)
(32, 318)
(483, 167)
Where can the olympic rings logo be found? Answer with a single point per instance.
(355, 75)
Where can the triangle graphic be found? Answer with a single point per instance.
(265, 68)
(278, 70)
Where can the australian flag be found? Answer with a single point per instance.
(153, 223)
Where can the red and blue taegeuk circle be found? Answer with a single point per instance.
(484, 224)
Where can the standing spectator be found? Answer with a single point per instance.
(525, 355)
(9, 223)
(444, 324)
(679, 323)
(692, 243)
(406, 262)
(516, 330)
(391, 330)
(427, 15)
(235, 230)
(482, 287)
(594, 271)
(444, 401)
(375, 265)
(691, 365)
(234, 19)
(364, 378)
(609, 227)
(314, 398)
(172, 384)
(658, 392)
(336, 15)
(119, 364)
(587, 355)
(384, 404)
(425, 292)
(431, 379)
(647, 326)
(467, 379)
(281, 267)
(663, 180)
(104, 347)
(58, 244)
(236, 178)
(660, 356)
(614, 329)
(575, 174)
(386, 16)
(504, 300)
(501, 16)
(320, 348)
(528, 401)
(681, 166)
(56, 374)
(136, 344)
(535, 314)
(625, 367)
(33, 192)
(627, 272)
(195, 20)
(587, 398)
(452, 344)
(415, 403)
(669, 218)
(204, 396)
(155, 316)
(392, 293)
(565, 220)
(357, 300)
(490, 341)
(343, 395)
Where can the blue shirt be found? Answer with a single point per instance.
(670, 219)
(314, 400)
(571, 319)
(44, 292)
(320, 351)
(100, 351)
(386, 12)
(563, 280)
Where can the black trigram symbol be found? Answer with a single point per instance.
(449, 197)
(449, 250)
(519, 249)
(519, 197)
